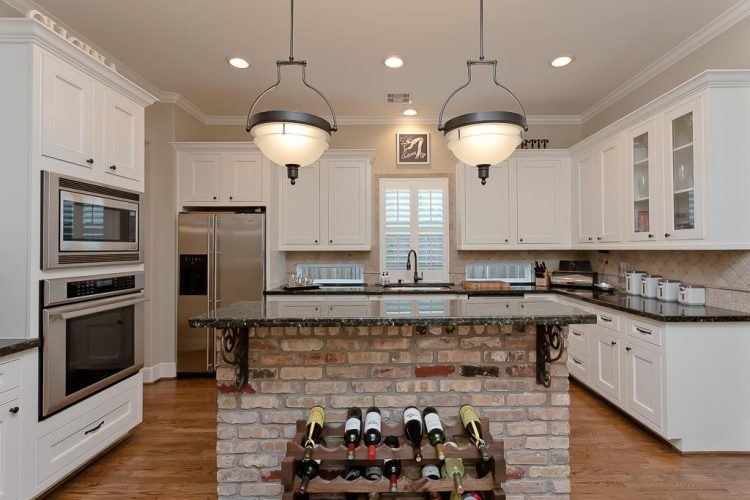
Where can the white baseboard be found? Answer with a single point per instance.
(160, 370)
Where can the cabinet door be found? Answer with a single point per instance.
(486, 207)
(347, 202)
(606, 373)
(67, 113)
(609, 163)
(10, 450)
(643, 373)
(300, 207)
(199, 176)
(642, 181)
(123, 136)
(348, 309)
(243, 180)
(537, 188)
(298, 310)
(684, 169)
(585, 196)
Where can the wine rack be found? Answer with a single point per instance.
(488, 486)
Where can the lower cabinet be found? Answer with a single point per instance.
(10, 449)
(643, 381)
(606, 362)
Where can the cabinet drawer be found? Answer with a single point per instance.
(578, 366)
(92, 432)
(608, 320)
(578, 340)
(646, 332)
(10, 375)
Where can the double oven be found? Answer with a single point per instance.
(91, 324)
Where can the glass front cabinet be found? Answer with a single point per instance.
(643, 150)
(684, 164)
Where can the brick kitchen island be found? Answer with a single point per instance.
(275, 365)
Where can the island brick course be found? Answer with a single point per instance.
(491, 368)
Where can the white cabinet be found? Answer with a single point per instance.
(643, 381)
(584, 197)
(329, 207)
(643, 181)
(526, 202)
(300, 209)
(67, 108)
(609, 193)
(606, 361)
(124, 137)
(221, 174)
(538, 204)
(10, 449)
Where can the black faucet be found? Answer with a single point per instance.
(417, 277)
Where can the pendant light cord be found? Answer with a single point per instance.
(291, 32)
(481, 30)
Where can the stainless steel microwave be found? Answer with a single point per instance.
(87, 224)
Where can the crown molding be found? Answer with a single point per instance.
(735, 14)
(185, 105)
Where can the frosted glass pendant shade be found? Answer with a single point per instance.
(484, 143)
(287, 143)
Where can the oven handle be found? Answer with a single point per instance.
(70, 312)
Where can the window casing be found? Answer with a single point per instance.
(414, 215)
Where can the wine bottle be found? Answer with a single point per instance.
(352, 431)
(307, 470)
(413, 430)
(471, 495)
(392, 466)
(373, 472)
(435, 434)
(473, 428)
(431, 471)
(313, 430)
(372, 431)
(352, 474)
(454, 468)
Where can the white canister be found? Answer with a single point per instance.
(692, 295)
(633, 282)
(668, 291)
(649, 286)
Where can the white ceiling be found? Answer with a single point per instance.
(181, 46)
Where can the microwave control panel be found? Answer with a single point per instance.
(98, 286)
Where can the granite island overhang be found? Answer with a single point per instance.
(509, 361)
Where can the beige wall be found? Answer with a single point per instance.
(730, 50)
(8, 11)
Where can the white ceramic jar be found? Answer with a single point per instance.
(692, 295)
(633, 282)
(667, 290)
(649, 286)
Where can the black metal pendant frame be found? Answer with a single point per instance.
(234, 342)
(549, 348)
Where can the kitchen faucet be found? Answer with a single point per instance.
(417, 277)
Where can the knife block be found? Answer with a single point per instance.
(542, 281)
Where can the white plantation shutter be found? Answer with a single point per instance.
(414, 216)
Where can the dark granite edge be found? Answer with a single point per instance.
(560, 320)
(14, 346)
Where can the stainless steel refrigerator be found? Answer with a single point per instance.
(220, 261)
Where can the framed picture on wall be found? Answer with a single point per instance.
(413, 149)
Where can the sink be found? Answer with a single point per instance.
(423, 287)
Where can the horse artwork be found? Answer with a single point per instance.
(413, 149)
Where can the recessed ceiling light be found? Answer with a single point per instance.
(410, 112)
(560, 61)
(238, 63)
(394, 61)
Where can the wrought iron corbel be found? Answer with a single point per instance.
(549, 348)
(234, 341)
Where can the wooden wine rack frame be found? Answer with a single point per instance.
(489, 486)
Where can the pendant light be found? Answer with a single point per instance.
(290, 138)
(483, 138)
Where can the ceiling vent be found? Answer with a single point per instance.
(398, 98)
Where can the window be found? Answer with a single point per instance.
(512, 272)
(414, 215)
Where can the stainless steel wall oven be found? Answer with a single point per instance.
(88, 224)
(92, 329)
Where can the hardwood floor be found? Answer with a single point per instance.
(171, 455)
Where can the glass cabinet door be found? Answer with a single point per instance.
(642, 182)
(684, 154)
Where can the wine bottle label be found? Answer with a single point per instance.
(467, 414)
(372, 421)
(411, 414)
(432, 421)
(431, 471)
(353, 424)
(354, 474)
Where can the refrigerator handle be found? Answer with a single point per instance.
(216, 262)
(209, 275)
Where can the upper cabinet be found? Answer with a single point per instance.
(124, 139)
(672, 174)
(330, 206)
(525, 203)
(221, 174)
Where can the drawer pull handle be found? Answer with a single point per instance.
(576, 361)
(643, 330)
(576, 333)
(14, 410)
(606, 318)
(94, 429)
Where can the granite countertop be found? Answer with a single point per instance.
(13, 346)
(393, 311)
(666, 312)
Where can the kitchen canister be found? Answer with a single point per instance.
(692, 295)
(633, 282)
(667, 290)
(649, 286)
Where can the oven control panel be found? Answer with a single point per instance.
(85, 288)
